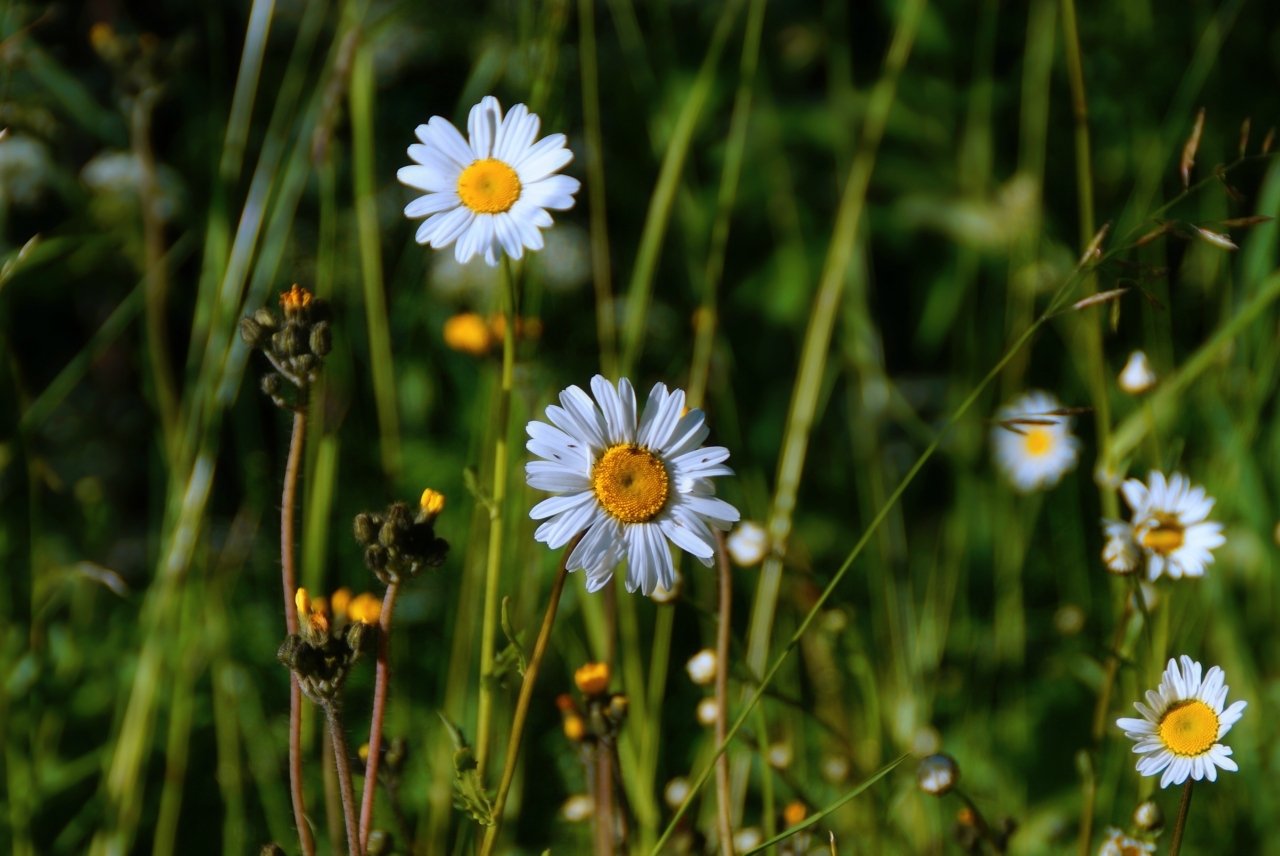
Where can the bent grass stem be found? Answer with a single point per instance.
(526, 694)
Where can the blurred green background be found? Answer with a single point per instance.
(169, 167)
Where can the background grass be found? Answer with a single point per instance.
(920, 171)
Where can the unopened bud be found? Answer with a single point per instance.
(365, 528)
(272, 383)
(252, 332)
(592, 679)
(1137, 376)
(1148, 817)
(702, 667)
(321, 339)
(938, 774)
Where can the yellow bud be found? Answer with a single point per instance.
(364, 608)
(302, 601)
(363, 751)
(468, 333)
(592, 679)
(794, 812)
(431, 503)
(574, 727)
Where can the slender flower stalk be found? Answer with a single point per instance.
(602, 798)
(724, 806)
(381, 681)
(342, 760)
(526, 694)
(1180, 825)
(493, 566)
(288, 575)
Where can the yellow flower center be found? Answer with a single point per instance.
(1189, 728)
(1037, 442)
(631, 483)
(1166, 536)
(489, 186)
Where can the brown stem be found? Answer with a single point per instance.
(332, 799)
(724, 807)
(288, 579)
(603, 799)
(379, 710)
(526, 694)
(1180, 824)
(342, 760)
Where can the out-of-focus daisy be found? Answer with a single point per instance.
(702, 667)
(1169, 526)
(1118, 844)
(1181, 724)
(631, 486)
(491, 192)
(1137, 376)
(1033, 442)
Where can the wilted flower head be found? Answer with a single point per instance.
(489, 193)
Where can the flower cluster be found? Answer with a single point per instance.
(295, 344)
(400, 542)
(322, 652)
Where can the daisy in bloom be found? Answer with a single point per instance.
(1119, 844)
(1169, 527)
(1033, 443)
(1181, 724)
(491, 192)
(631, 486)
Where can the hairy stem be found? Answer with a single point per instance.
(381, 681)
(1180, 825)
(289, 584)
(342, 761)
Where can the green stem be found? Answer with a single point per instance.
(526, 694)
(724, 805)
(493, 566)
(1180, 825)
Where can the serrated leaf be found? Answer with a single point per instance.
(469, 794)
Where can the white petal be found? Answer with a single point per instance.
(531, 215)
(427, 178)
(655, 431)
(432, 203)
(440, 134)
(554, 192)
(586, 416)
(544, 149)
(541, 164)
(552, 476)
(554, 505)
(558, 531)
(482, 126)
(685, 538)
(515, 134)
(615, 419)
(441, 230)
(689, 433)
(711, 508)
(508, 235)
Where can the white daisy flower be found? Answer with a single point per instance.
(1034, 446)
(631, 487)
(1169, 525)
(492, 192)
(1119, 844)
(1181, 724)
(1120, 552)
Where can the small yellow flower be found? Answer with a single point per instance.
(312, 611)
(592, 679)
(295, 299)
(468, 333)
(431, 503)
(794, 812)
(364, 608)
(340, 600)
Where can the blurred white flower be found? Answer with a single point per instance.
(1120, 552)
(1169, 525)
(746, 839)
(707, 711)
(577, 808)
(675, 792)
(1118, 844)
(748, 543)
(25, 168)
(1137, 375)
(702, 667)
(1034, 446)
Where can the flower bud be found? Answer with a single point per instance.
(1148, 817)
(272, 383)
(702, 667)
(1137, 376)
(938, 774)
(365, 528)
(592, 679)
(252, 332)
(321, 339)
(266, 319)
(748, 543)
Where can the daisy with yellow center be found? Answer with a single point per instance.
(631, 486)
(1181, 724)
(1033, 443)
(1169, 528)
(491, 192)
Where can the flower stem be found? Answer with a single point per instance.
(342, 760)
(724, 807)
(494, 564)
(289, 583)
(603, 798)
(1180, 824)
(381, 681)
(526, 694)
